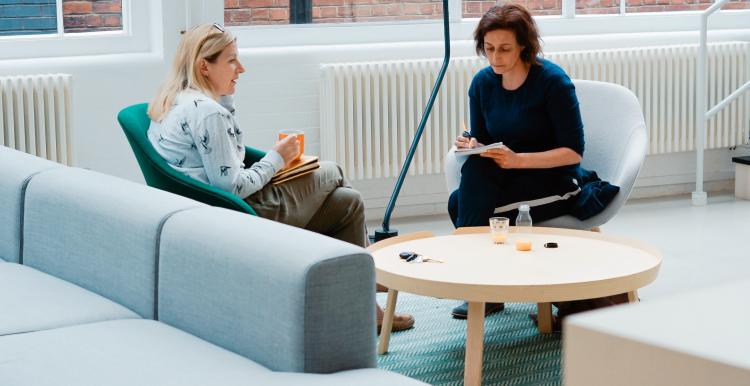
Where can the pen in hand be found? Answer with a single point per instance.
(466, 133)
(466, 143)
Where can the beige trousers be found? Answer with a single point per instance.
(322, 202)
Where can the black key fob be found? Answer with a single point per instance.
(550, 245)
(406, 255)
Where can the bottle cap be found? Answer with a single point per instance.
(523, 208)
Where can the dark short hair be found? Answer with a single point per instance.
(512, 17)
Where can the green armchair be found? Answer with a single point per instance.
(158, 174)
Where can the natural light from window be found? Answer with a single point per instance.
(41, 17)
(265, 12)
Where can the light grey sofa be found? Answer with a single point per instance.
(108, 282)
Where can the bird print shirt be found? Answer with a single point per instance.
(201, 138)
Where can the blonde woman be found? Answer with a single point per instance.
(194, 129)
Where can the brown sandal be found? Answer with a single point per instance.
(400, 322)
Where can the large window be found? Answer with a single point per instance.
(261, 12)
(41, 17)
(266, 23)
(63, 28)
(264, 12)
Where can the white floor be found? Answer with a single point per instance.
(702, 246)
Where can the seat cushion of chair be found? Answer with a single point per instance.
(31, 300)
(568, 222)
(121, 352)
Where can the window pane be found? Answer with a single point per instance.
(258, 12)
(476, 8)
(679, 5)
(600, 7)
(27, 17)
(92, 15)
(329, 11)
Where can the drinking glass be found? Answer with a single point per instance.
(499, 229)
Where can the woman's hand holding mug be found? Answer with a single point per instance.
(288, 148)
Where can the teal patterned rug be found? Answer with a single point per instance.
(433, 351)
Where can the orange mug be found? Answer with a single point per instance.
(300, 135)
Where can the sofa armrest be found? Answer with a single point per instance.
(284, 297)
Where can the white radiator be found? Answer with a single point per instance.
(369, 111)
(35, 115)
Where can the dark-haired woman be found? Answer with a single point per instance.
(529, 104)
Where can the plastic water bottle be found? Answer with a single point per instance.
(523, 220)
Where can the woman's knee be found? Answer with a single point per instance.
(331, 169)
(330, 176)
(354, 200)
(346, 202)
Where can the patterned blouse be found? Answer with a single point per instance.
(200, 138)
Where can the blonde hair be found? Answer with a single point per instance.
(202, 42)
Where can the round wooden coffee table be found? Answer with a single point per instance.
(585, 265)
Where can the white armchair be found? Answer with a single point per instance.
(616, 145)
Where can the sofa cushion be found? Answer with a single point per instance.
(99, 232)
(145, 352)
(31, 300)
(359, 377)
(122, 352)
(15, 170)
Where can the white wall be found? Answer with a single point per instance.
(280, 90)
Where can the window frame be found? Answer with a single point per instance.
(568, 23)
(134, 37)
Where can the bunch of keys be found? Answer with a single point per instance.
(413, 257)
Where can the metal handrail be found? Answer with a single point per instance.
(702, 114)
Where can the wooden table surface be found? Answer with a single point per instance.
(584, 265)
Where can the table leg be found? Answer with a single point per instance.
(385, 329)
(633, 296)
(474, 344)
(544, 317)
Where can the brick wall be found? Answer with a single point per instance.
(254, 12)
(338, 11)
(244, 12)
(27, 17)
(473, 8)
(92, 15)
